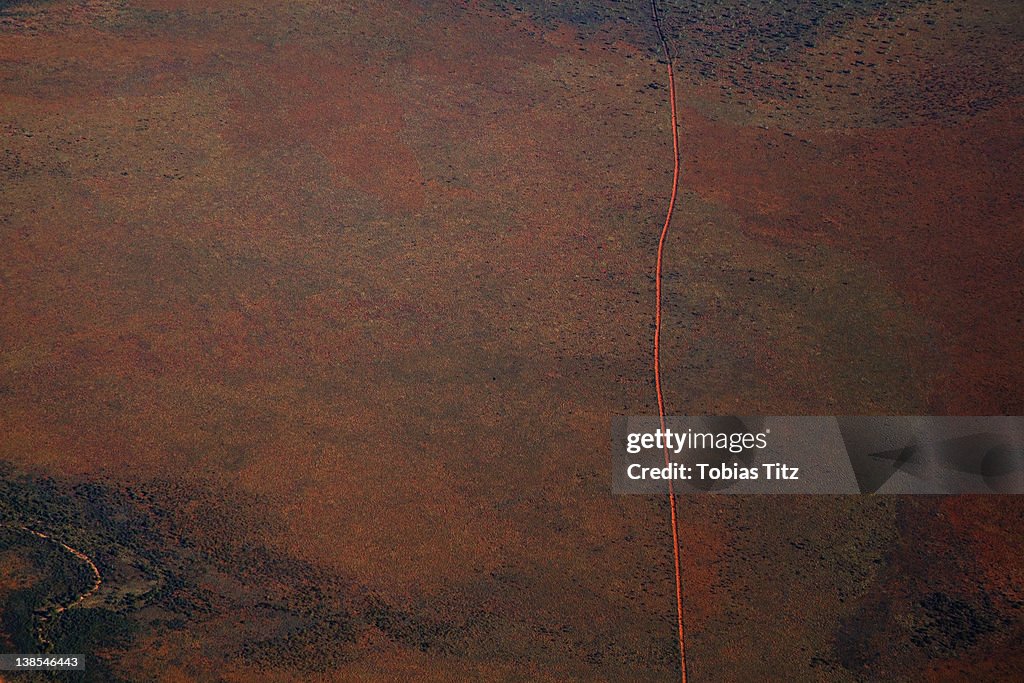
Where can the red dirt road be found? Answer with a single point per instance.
(657, 331)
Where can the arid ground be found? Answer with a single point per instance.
(314, 315)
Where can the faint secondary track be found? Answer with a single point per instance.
(657, 327)
(97, 579)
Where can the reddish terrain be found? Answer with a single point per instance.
(314, 317)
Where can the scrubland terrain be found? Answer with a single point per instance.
(313, 317)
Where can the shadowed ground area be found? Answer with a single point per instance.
(313, 317)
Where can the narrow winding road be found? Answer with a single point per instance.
(96, 583)
(657, 326)
(97, 578)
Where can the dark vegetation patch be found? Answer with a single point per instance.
(923, 608)
(10, 4)
(299, 616)
(30, 625)
(894, 61)
(948, 625)
(724, 37)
